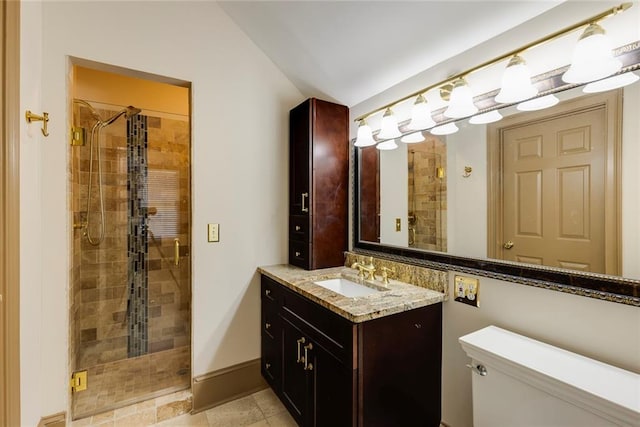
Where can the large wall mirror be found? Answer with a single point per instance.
(551, 195)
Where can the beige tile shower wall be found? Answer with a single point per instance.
(169, 285)
(429, 194)
(101, 324)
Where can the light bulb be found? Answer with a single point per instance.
(447, 129)
(538, 103)
(460, 101)
(421, 115)
(516, 82)
(489, 117)
(387, 145)
(592, 57)
(364, 138)
(611, 83)
(412, 138)
(389, 127)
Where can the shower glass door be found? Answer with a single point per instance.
(130, 321)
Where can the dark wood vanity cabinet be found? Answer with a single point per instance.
(331, 372)
(318, 182)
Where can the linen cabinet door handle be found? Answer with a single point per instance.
(300, 341)
(307, 366)
(304, 196)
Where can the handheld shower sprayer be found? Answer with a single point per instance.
(128, 112)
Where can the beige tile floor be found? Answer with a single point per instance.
(261, 409)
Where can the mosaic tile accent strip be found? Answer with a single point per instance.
(138, 266)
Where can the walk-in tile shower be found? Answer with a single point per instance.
(130, 290)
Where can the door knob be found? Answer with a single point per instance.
(508, 245)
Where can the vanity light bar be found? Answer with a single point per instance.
(610, 12)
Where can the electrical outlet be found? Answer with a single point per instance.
(466, 290)
(212, 233)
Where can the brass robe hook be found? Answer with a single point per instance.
(44, 118)
(467, 171)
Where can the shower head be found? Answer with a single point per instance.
(127, 112)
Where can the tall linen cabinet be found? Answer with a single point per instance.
(318, 184)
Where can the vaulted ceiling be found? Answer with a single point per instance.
(348, 51)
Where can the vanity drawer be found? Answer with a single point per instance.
(270, 322)
(269, 291)
(299, 253)
(299, 228)
(271, 365)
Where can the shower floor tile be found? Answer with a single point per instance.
(261, 409)
(124, 382)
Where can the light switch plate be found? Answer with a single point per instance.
(212, 232)
(466, 290)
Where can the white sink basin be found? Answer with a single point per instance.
(346, 287)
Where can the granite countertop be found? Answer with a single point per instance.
(398, 298)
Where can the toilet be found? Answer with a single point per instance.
(518, 382)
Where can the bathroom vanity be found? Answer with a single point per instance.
(336, 360)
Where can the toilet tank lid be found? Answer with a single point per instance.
(495, 346)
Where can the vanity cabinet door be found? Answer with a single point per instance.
(296, 383)
(400, 360)
(317, 386)
(334, 391)
(300, 159)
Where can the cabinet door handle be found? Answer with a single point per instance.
(267, 366)
(267, 325)
(297, 228)
(300, 341)
(304, 196)
(307, 366)
(297, 254)
(267, 292)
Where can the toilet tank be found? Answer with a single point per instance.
(518, 382)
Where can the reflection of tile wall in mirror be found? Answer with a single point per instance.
(427, 193)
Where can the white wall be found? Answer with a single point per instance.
(33, 304)
(631, 174)
(240, 104)
(599, 329)
(467, 197)
(394, 196)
